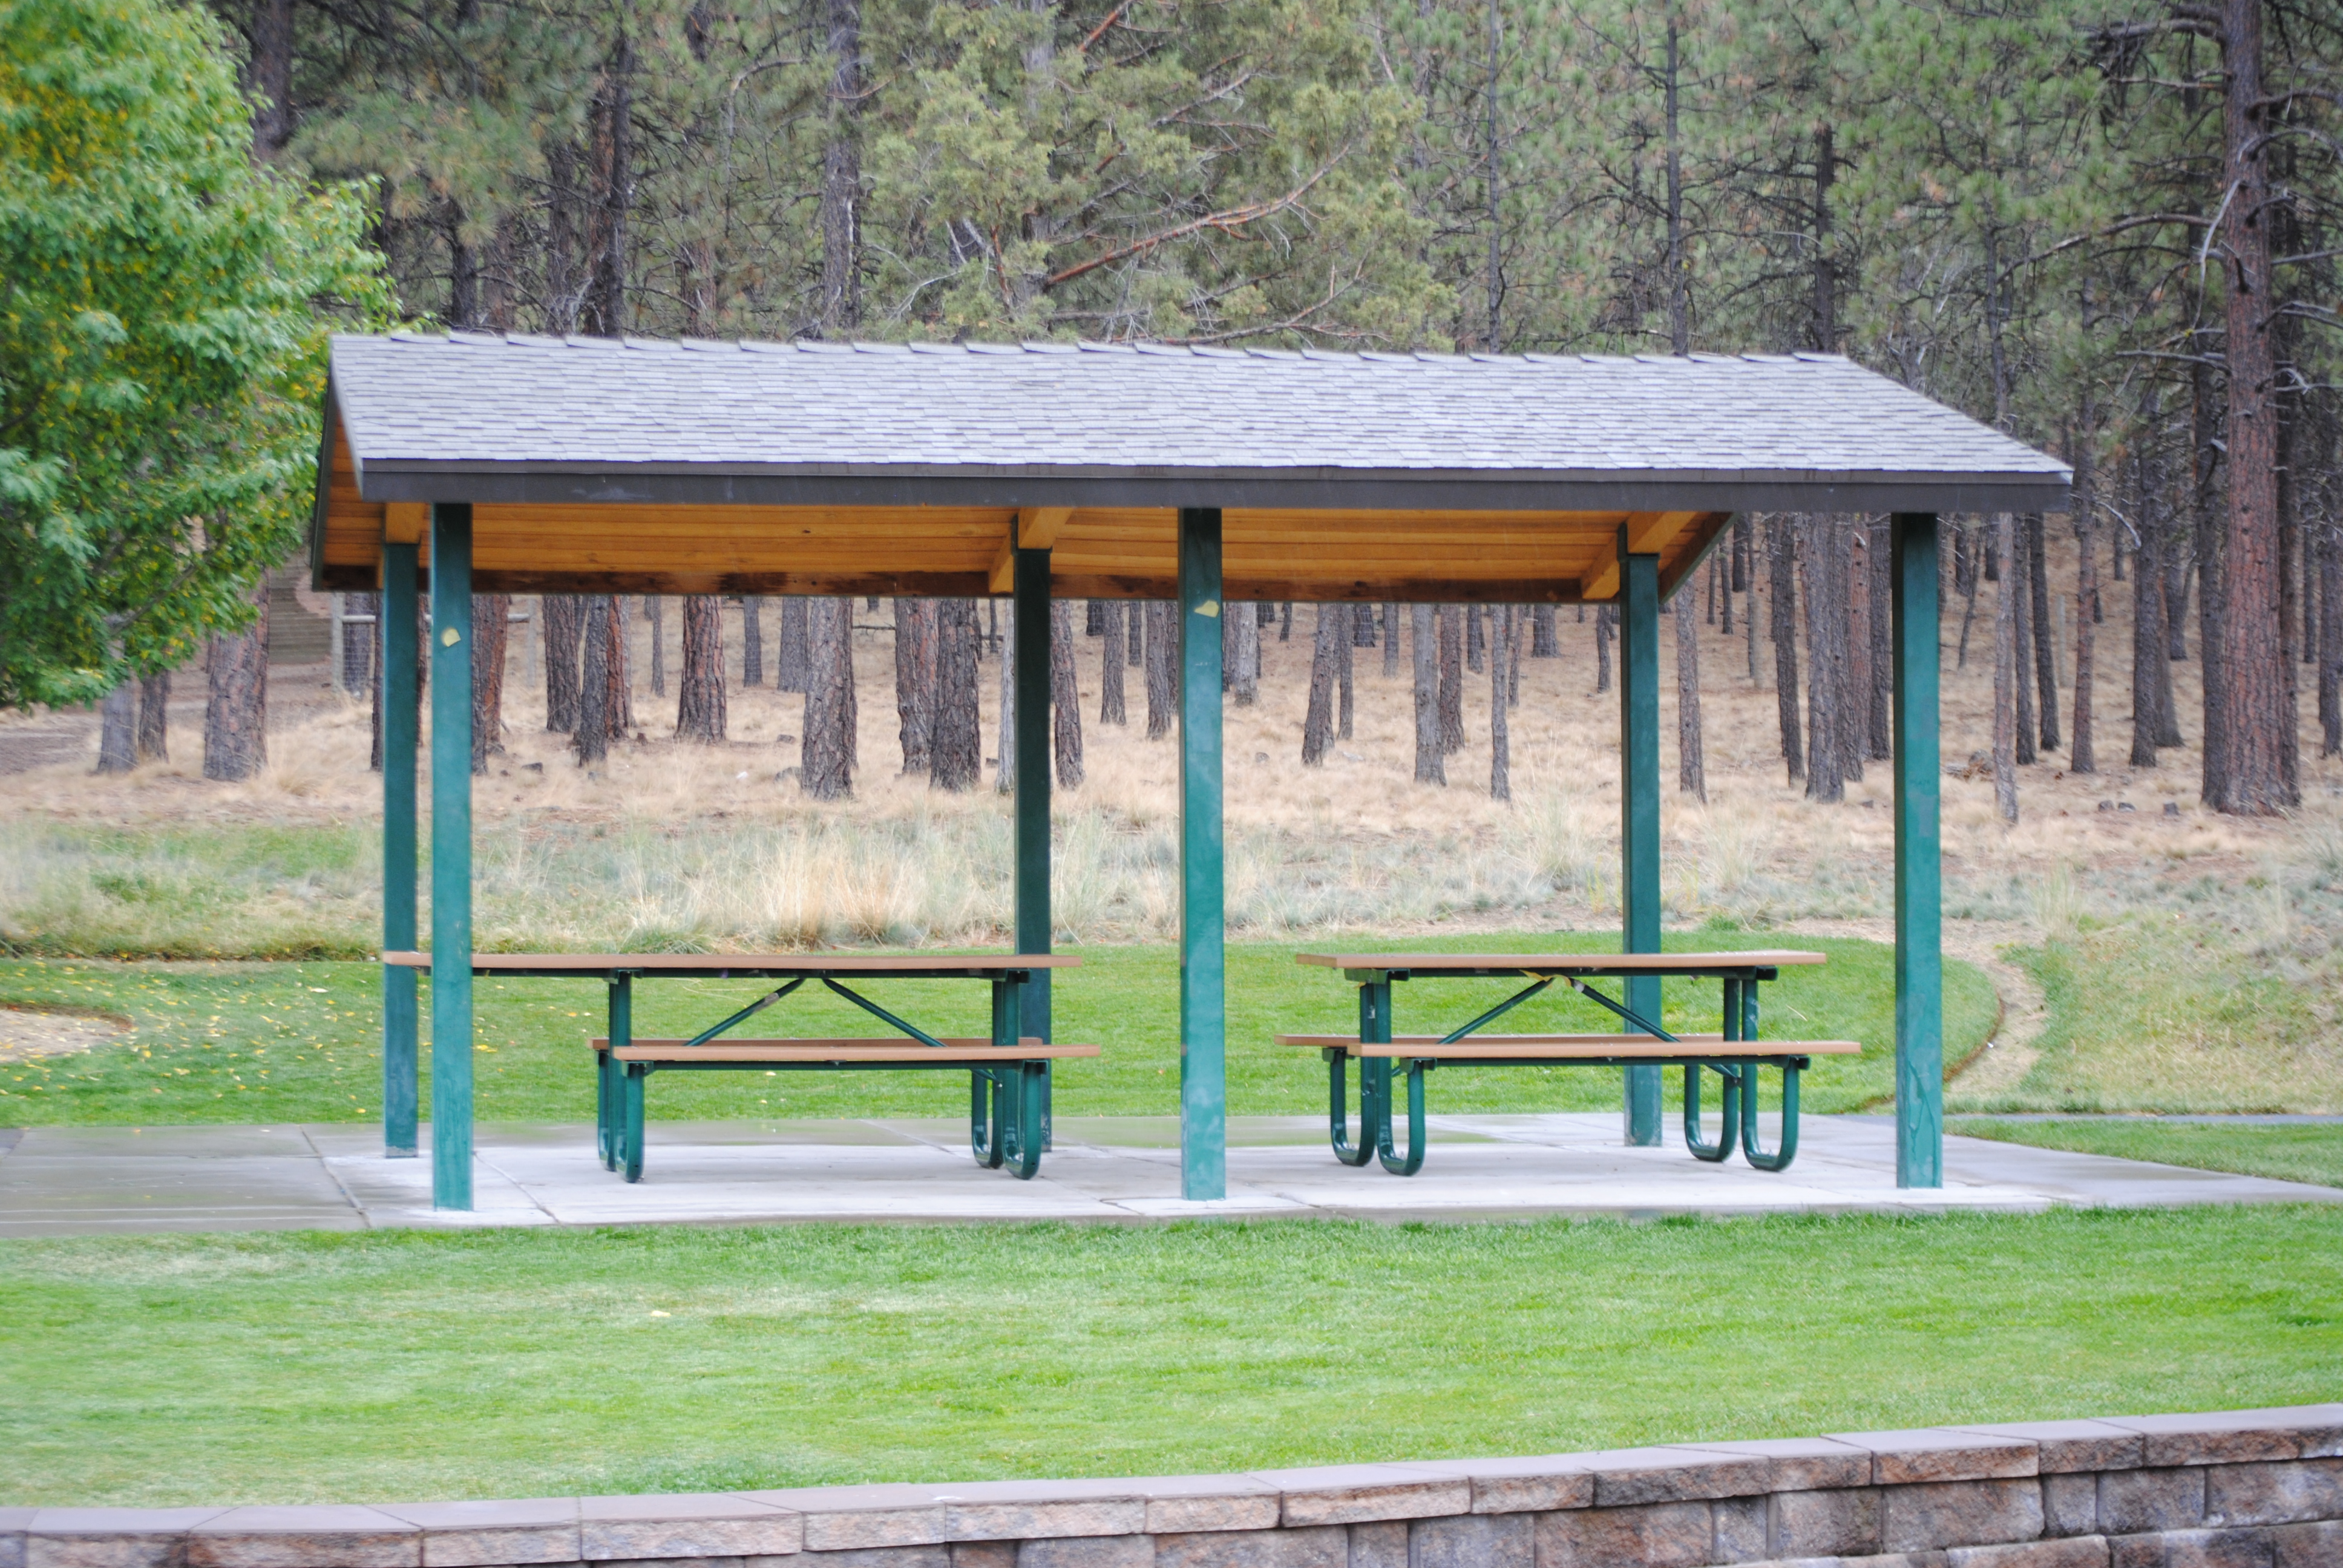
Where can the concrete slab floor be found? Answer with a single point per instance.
(78, 1181)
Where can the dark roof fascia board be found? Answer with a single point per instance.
(1339, 489)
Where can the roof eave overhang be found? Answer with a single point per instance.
(1338, 490)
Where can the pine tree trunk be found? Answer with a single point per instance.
(1745, 537)
(153, 743)
(752, 640)
(491, 635)
(1501, 761)
(1723, 582)
(1517, 615)
(1692, 772)
(1452, 679)
(2330, 643)
(1247, 684)
(790, 664)
(957, 757)
(915, 667)
(1476, 647)
(2007, 686)
(2083, 757)
(1544, 643)
(1345, 659)
(1858, 639)
(1749, 622)
(1004, 777)
(699, 711)
(1066, 695)
(655, 612)
(1285, 621)
(1162, 667)
(1422, 641)
(235, 710)
(117, 729)
(1112, 659)
(1782, 589)
(1318, 720)
(1138, 618)
(1391, 640)
(827, 770)
(358, 639)
(1824, 578)
(1360, 619)
(2147, 638)
(1094, 618)
(2045, 648)
(1881, 692)
(564, 613)
(2018, 577)
(1603, 614)
(621, 707)
(592, 738)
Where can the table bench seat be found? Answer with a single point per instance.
(958, 1051)
(1593, 1048)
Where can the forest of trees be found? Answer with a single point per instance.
(2109, 231)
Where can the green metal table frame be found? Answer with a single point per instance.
(1737, 1069)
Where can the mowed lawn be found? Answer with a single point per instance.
(289, 1368)
(2285, 1151)
(296, 1042)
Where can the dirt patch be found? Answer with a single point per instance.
(26, 1032)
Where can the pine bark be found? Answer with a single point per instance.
(917, 662)
(842, 175)
(1391, 640)
(2017, 576)
(1476, 642)
(1452, 679)
(1603, 615)
(1782, 591)
(699, 711)
(2084, 757)
(1824, 580)
(1692, 771)
(1066, 695)
(1162, 667)
(827, 768)
(117, 729)
(1430, 766)
(1500, 760)
(752, 640)
(564, 614)
(491, 635)
(2007, 686)
(590, 739)
(610, 151)
(1246, 676)
(655, 613)
(154, 744)
(358, 639)
(2330, 644)
(1318, 720)
(1345, 659)
(2147, 638)
(236, 709)
(2045, 649)
(957, 755)
(1858, 639)
(1112, 660)
(1138, 619)
(791, 662)
(1004, 776)
(1882, 691)
(620, 708)
(1544, 643)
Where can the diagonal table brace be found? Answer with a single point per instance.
(1638, 1020)
(875, 1011)
(1498, 1011)
(759, 1005)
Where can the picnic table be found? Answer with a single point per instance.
(1735, 1055)
(1008, 1075)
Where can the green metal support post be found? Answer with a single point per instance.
(1919, 860)
(1203, 998)
(395, 619)
(451, 856)
(1639, 804)
(1032, 590)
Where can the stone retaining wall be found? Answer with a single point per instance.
(2240, 1489)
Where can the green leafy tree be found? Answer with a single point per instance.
(162, 345)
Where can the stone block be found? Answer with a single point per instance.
(1802, 1464)
(623, 1528)
(110, 1537)
(1626, 1476)
(1834, 1523)
(2233, 1436)
(2076, 1551)
(983, 1554)
(1358, 1494)
(2063, 1446)
(2070, 1504)
(11, 1535)
(1530, 1486)
(340, 1536)
(1740, 1528)
(2191, 1549)
(1182, 1505)
(2280, 1493)
(1381, 1545)
(859, 1518)
(1088, 1551)
(2133, 1502)
(1652, 1535)
(1472, 1541)
(1942, 1453)
(504, 1533)
(1960, 1514)
(2317, 1546)
(1325, 1546)
(931, 1555)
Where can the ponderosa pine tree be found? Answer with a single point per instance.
(491, 635)
(700, 712)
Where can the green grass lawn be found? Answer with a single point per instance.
(274, 1042)
(2311, 1152)
(166, 1370)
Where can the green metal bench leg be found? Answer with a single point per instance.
(989, 1113)
(606, 1136)
(1779, 1160)
(1415, 1160)
(1030, 1087)
(620, 1033)
(1338, 1110)
(631, 1135)
(1726, 1135)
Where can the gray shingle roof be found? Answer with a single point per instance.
(488, 419)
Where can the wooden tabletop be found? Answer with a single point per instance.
(1534, 964)
(756, 966)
